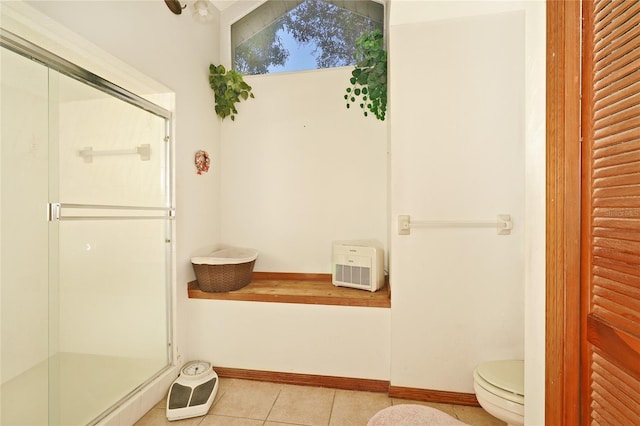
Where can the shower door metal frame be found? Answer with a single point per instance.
(52, 61)
(25, 48)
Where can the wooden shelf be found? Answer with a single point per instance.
(309, 289)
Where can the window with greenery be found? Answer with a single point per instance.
(294, 35)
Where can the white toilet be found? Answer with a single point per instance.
(499, 388)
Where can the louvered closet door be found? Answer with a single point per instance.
(611, 214)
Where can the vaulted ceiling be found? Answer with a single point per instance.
(223, 4)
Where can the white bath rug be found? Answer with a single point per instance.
(412, 415)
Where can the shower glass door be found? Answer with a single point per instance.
(110, 240)
(24, 284)
(86, 254)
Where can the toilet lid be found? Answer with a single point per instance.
(507, 375)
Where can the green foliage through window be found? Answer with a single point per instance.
(326, 30)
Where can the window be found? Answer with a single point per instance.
(294, 35)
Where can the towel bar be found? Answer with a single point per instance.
(143, 150)
(502, 224)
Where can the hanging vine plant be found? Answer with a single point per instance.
(369, 78)
(228, 88)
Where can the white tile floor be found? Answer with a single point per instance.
(251, 403)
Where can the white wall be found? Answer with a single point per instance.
(300, 170)
(416, 11)
(532, 223)
(308, 339)
(457, 144)
(535, 203)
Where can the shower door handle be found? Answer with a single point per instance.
(53, 212)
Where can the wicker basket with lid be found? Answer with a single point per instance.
(224, 270)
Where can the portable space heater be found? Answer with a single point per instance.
(358, 264)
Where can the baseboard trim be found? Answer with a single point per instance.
(350, 383)
(427, 395)
(347, 383)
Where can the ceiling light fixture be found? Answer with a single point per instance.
(201, 9)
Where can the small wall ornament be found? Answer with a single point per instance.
(202, 162)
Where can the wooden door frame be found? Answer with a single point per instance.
(562, 348)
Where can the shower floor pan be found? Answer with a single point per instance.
(71, 388)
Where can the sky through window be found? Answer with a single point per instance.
(302, 35)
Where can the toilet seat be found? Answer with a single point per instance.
(504, 379)
(499, 388)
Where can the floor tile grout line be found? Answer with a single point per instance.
(273, 405)
(333, 402)
(455, 411)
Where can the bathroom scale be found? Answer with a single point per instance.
(192, 393)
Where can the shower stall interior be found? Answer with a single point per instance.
(86, 240)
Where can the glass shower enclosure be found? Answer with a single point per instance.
(86, 240)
